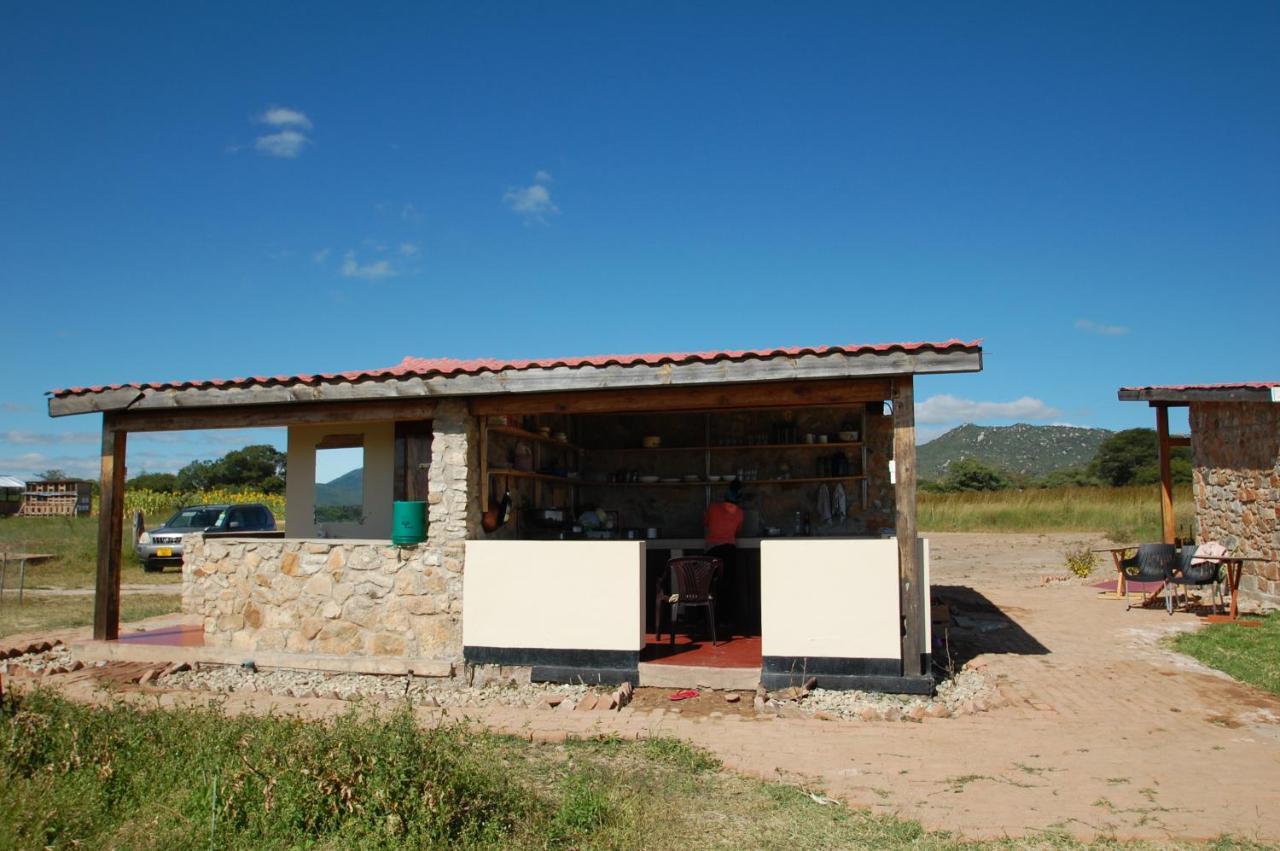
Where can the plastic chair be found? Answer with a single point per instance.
(1199, 575)
(1153, 563)
(693, 581)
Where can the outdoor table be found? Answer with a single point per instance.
(22, 559)
(1235, 566)
(1117, 555)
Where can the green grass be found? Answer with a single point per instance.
(1249, 655)
(37, 614)
(1123, 514)
(124, 777)
(73, 541)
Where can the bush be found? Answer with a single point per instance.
(1081, 562)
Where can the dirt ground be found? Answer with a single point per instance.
(1104, 732)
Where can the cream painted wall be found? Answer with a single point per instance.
(379, 471)
(833, 598)
(557, 595)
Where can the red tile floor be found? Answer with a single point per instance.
(737, 652)
(178, 635)
(740, 651)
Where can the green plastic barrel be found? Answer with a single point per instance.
(408, 523)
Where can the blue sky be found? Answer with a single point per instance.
(226, 189)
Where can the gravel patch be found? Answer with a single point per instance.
(971, 690)
(418, 690)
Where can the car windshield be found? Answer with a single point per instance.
(195, 518)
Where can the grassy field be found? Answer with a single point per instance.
(120, 777)
(74, 544)
(42, 613)
(1123, 514)
(1249, 655)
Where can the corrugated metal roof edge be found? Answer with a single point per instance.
(421, 367)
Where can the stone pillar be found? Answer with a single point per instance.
(453, 516)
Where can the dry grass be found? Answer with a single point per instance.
(1123, 514)
(73, 541)
(37, 614)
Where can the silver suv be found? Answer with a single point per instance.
(163, 545)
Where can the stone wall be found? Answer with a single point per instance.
(349, 597)
(335, 598)
(1236, 454)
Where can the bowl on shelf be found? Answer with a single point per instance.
(849, 436)
(648, 480)
(713, 478)
(693, 477)
(651, 441)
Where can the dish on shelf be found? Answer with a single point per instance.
(849, 436)
(693, 477)
(713, 478)
(648, 480)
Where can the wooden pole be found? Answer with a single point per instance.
(910, 577)
(1166, 475)
(106, 600)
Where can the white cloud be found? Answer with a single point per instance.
(283, 116)
(49, 438)
(351, 268)
(1091, 327)
(408, 249)
(14, 407)
(287, 144)
(950, 409)
(532, 201)
(321, 255)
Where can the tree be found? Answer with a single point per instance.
(1069, 477)
(1132, 457)
(970, 474)
(54, 475)
(258, 467)
(161, 482)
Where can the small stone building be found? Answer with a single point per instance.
(1235, 450)
(604, 468)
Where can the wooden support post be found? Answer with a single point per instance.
(106, 600)
(1166, 475)
(910, 578)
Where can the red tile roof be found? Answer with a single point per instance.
(1238, 385)
(412, 367)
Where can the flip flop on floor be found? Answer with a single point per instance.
(685, 694)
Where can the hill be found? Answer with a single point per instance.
(1029, 449)
(347, 489)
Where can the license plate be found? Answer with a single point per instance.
(164, 552)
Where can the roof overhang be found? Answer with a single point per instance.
(1188, 393)
(410, 382)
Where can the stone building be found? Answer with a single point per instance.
(1235, 450)
(605, 466)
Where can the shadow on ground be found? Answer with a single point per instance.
(978, 626)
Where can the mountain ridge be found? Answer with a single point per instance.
(1026, 449)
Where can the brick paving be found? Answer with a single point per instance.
(1103, 732)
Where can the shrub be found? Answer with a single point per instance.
(1081, 562)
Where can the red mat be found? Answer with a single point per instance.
(1131, 586)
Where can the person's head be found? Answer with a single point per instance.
(735, 493)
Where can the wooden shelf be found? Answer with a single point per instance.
(722, 483)
(512, 431)
(541, 477)
(786, 446)
(745, 446)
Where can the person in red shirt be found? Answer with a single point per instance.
(723, 522)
